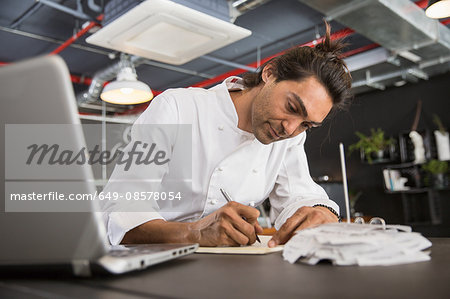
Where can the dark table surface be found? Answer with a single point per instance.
(243, 276)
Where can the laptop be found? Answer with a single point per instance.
(38, 92)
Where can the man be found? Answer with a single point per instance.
(247, 136)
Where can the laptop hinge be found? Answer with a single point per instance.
(81, 268)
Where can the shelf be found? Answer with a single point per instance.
(378, 161)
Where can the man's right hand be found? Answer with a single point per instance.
(232, 225)
(224, 227)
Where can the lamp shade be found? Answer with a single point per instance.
(126, 90)
(438, 9)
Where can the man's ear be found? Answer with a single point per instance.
(267, 73)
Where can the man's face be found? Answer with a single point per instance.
(285, 109)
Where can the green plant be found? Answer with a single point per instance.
(371, 144)
(437, 121)
(435, 167)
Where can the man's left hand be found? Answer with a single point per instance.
(303, 218)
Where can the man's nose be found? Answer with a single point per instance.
(291, 127)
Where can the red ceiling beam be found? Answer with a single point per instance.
(80, 79)
(422, 3)
(360, 50)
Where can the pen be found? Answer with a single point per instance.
(228, 198)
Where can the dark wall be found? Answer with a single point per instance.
(392, 110)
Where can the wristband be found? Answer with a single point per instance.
(330, 209)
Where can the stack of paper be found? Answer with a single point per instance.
(357, 244)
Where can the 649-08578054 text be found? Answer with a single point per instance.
(142, 195)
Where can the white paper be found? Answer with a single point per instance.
(256, 248)
(357, 244)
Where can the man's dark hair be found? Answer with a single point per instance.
(322, 62)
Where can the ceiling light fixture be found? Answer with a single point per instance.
(167, 31)
(438, 9)
(126, 90)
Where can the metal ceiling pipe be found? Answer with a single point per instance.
(177, 69)
(101, 77)
(415, 71)
(229, 63)
(93, 6)
(52, 40)
(239, 7)
(367, 59)
(30, 11)
(245, 5)
(76, 13)
(376, 19)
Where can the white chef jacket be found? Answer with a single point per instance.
(223, 156)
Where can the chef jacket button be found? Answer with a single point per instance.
(220, 169)
(255, 170)
(213, 201)
(220, 128)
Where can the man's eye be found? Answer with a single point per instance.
(291, 108)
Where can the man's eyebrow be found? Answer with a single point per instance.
(300, 101)
(303, 108)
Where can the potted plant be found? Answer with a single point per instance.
(442, 140)
(373, 146)
(438, 170)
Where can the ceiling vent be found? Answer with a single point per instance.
(166, 31)
(400, 25)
